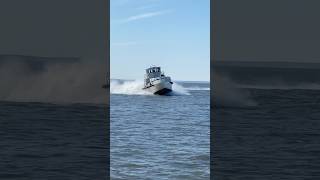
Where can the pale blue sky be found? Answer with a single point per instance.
(173, 34)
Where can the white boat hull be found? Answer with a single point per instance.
(160, 87)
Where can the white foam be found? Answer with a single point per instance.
(179, 89)
(198, 88)
(227, 94)
(135, 88)
(127, 87)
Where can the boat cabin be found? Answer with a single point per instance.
(153, 72)
(154, 75)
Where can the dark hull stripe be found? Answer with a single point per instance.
(163, 91)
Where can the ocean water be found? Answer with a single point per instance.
(160, 137)
(53, 141)
(266, 130)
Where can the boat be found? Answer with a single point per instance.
(156, 82)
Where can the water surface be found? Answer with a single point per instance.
(160, 137)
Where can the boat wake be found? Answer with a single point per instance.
(227, 94)
(179, 90)
(196, 88)
(51, 79)
(127, 87)
(135, 88)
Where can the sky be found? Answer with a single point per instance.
(273, 30)
(59, 28)
(172, 34)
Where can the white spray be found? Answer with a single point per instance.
(135, 88)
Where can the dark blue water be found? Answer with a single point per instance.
(265, 121)
(276, 138)
(52, 141)
(160, 137)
